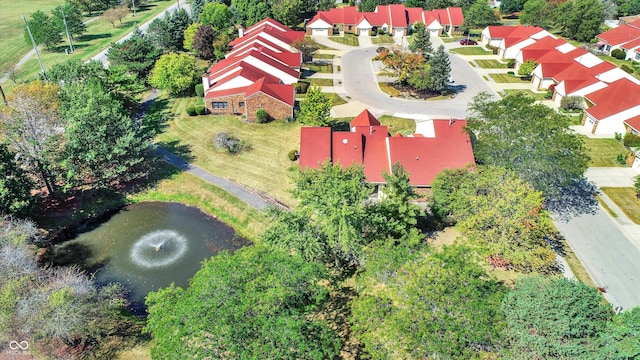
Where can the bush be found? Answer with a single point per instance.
(631, 140)
(627, 69)
(636, 186)
(618, 54)
(572, 103)
(548, 95)
(200, 90)
(293, 155)
(201, 109)
(231, 143)
(381, 49)
(191, 110)
(381, 32)
(511, 73)
(621, 159)
(301, 87)
(262, 116)
(511, 63)
(372, 33)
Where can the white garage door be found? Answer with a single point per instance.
(364, 31)
(320, 32)
(434, 32)
(398, 32)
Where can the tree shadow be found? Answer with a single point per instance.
(90, 37)
(306, 73)
(152, 116)
(578, 198)
(75, 254)
(456, 88)
(181, 150)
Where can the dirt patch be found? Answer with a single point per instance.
(407, 92)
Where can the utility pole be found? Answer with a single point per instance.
(64, 20)
(178, 1)
(35, 47)
(4, 98)
(133, 4)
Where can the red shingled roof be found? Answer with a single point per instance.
(632, 44)
(365, 118)
(267, 22)
(456, 18)
(620, 35)
(284, 36)
(394, 15)
(282, 92)
(347, 148)
(248, 72)
(634, 123)
(257, 41)
(499, 31)
(397, 15)
(613, 99)
(315, 146)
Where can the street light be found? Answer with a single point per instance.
(133, 4)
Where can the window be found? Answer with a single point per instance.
(638, 55)
(241, 104)
(220, 105)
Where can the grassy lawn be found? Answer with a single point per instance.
(451, 39)
(626, 200)
(98, 36)
(506, 78)
(347, 39)
(471, 50)
(265, 167)
(321, 68)
(490, 64)
(388, 89)
(319, 82)
(535, 95)
(398, 125)
(324, 56)
(382, 39)
(319, 46)
(604, 152)
(337, 100)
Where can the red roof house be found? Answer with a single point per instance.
(618, 37)
(610, 107)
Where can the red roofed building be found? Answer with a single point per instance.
(395, 19)
(369, 144)
(633, 126)
(616, 38)
(609, 108)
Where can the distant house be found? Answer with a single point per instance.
(510, 39)
(609, 108)
(618, 37)
(369, 144)
(258, 73)
(394, 19)
(633, 126)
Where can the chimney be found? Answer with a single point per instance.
(205, 82)
(240, 31)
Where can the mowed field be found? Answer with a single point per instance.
(11, 27)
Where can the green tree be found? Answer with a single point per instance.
(531, 139)
(628, 7)
(74, 70)
(526, 69)
(420, 78)
(137, 54)
(511, 6)
(535, 12)
(160, 34)
(636, 185)
(315, 108)
(15, 185)
(479, 15)
(178, 23)
(73, 16)
(102, 145)
(420, 43)
(203, 42)
(621, 337)
(401, 215)
(217, 15)
(306, 47)
(288, 12)
(249, 12)
(44, 30)
(370, 5)
(441, 305)
(189, 34)
(553, 318)
(252, 304)
(580, 19)
(499, 213)
(175, 73)
(196, 9)
(440, 70)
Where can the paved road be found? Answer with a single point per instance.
(361, 85)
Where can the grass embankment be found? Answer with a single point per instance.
(319, 46)
(535, 95)
(508, 78)
(388, 89)
(335, 98)
(319, 82)
(323, 56)
(98, 36)
(398, 125)
(319, 67)
(347, 39)
(604, 152)
(265, 167)
(471, 50)
(619, 63)
(626, 200)
(382, 39)
(490, 64)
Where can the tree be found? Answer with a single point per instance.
(189, 34)
(175, 73)
(553, 318)
(400, 64)
(249, 12)
(115, 15)
(73, 17)
(498, 213)
(288, 12)
(370, 5)
(441, 305)
(74, 70)
(580, 19)
(636, 186)
(535, 12)
(440, 70)
(221, 46)
(43, 29)
(511, 6)
(178, 23)
(252, 304)
(529, 138)
(196, 9)
(216, 15)
(315, 108)
(137, 54)
(628, 7)
(420, 43)
(526, 69)
(400, 214)
(306, 47)
(31, 124)
(203, 42)
(160, 34)
(15, 185)
(479, 15)
(102, 145)
(621, 337)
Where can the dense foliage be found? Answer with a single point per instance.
(137, 55)
(420, 43)
(15, 185)
(252, 304)
(479, 15)
(580, 20)
(315, 108)
(175, 73)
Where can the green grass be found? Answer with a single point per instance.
(398, 125)
(347, 39)
(324, 56)
(98, 36)
(324, 68)
(265, 167)
(490, 64)
(337, 100)
(506, 78)
(604, 152)
(319, 82)
(382, 39)
(388, 89)
(626, 200)
(471, 50)
(535, 95)
(319, 46)
(451, 39)
(606, 207)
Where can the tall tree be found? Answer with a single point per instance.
(203, 42)
(400, 214)
(479, 15)
(43, 29)
(137, 54)
(440, 70)
(580, 20)
(189, 34)
(249, 12)
(288, 12)
(306, 47)
(315, 108)
(175, 73)
(73, 17)
(529, 138)
(621, 337)
(370, 5)
(553, 318)
(535, 12)
(196, 8)
(160, 34)
(102, 144)
(216, 15)
(511, 6)
(32, 125)
(420, 43)
(178, 23)
(252, 304)
(15, 185)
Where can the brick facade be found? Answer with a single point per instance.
(234, 103)
(276, 108)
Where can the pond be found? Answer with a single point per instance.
(147, 246)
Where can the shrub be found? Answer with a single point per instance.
(201, 109)
(494, 51)
(631, 140)
(262, 116)
(511, 63)
(618, 54)
(372, 33)
(302, 87)
(627, 69)
(231, 143)
(191, 110)
(289, 119)
(381, 31)
(510, 73)
(381, 49)
(200, 90)
(636, 186)
(618, 136)
(620, 159)
(548, 95)
(293, 155)
(572, 103)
